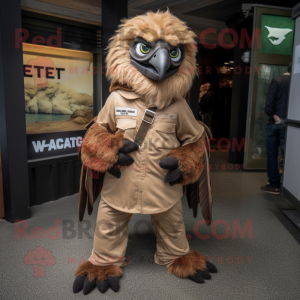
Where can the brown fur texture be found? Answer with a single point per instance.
(116, 86)
(187, 265)
(190, 159)
(99, 149)
(99, 272)
(152, 27)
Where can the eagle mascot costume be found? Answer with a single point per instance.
(143, 151)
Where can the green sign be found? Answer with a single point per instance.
(276, 34)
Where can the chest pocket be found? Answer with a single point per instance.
(128, 126)
(166, 136)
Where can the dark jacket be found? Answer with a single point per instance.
(277, 97)
(207, 103)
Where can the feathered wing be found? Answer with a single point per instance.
(89, 189)
(199, 192)
(91, 180)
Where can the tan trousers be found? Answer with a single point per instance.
(111, 236)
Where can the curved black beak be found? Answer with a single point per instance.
(161, 62)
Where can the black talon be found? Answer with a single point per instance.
(211, 267)
(78, 283)
(169, 163)
(124, 159)
(129, 146)
(196, 278)
(174, 176)
(114, 283)
(102, 286)
(115, 171)
(205, 274)
(88, 286)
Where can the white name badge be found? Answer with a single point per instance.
(125, 111)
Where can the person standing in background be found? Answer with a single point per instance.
(202, 91)
(276, 109)
(206, 104)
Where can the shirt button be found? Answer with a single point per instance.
(141, 191)
(143, 163)
(142, 178)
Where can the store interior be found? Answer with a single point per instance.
(218, 70)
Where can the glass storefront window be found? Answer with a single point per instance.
(265, 76)
(270, 57)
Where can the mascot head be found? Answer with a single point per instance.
(154, 55)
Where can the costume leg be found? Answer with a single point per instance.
(108, 255)
(172, 247)
(171, 241)
(111, 236)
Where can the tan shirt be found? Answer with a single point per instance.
(141, 188)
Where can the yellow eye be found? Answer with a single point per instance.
(144, 48)
(174, 53)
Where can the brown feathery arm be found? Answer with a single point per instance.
(99, 149)
(99, 153)
(190, 159)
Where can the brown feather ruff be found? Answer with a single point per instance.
(188, 264)
(99, 272)
(117, 86)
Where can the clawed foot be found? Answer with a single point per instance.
(193, 266)
(199, 276)
(88, 276)
(82, 282)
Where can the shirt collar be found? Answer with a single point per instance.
(128, 95)
(125, 91)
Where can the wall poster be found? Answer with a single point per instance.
(58, 99)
